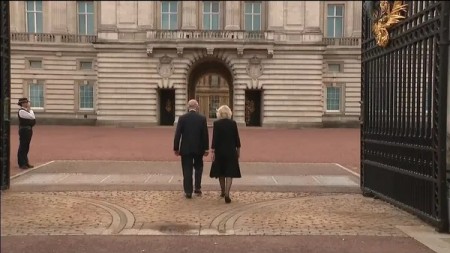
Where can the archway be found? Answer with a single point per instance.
(210, 82)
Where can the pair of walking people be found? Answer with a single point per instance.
(191, 142)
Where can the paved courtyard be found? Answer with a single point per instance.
(119, 189)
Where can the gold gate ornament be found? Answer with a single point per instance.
(385, 18)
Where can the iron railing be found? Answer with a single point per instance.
(404, 94)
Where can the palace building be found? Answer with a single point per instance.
(137, 63)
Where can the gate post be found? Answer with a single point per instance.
(443, 114)
(5, 92)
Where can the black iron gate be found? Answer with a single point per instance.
(404, 94)
(5, 77)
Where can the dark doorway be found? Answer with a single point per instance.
(253, 107)
(166, 107)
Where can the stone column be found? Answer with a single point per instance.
(58, 12)
(146, 14)
(232, 15)
(72, 19)
(276, 17)
(189, 14)
(357, 16)
(108, 15)
(312, 17)
(312, 22)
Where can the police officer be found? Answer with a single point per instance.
(26, 122)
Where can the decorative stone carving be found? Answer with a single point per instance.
(150, 51)
(210, 51)
(165, 67)
(180, 51)
(240, 52)
(254, 67)
(270, 53)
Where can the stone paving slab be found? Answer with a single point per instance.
(150, 179)
(169, 213)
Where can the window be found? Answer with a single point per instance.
(333, 99)
(34, 16)
(87, 96)
(334, 67)
(37, 95)
(335, 21)
(211, 13)
(169, 15)
(213, 106)
(252, 16)
(85, 17)
(35, 64)
(214, 81)
(86, 65)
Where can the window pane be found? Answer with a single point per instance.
(39, 26)
(248, 8)
(165, 21)
(173, 6)
(90, 24)
(330, 27)
(35, 64)
(30, 22)
(86, 65)
(82, 24)
(206, 6)
(38, 5)
(86, 97)
(30, 5)
(330, 12)
(215, 6)
(248, 22)
(333, 98)
(256, 22)
(334, 67)
(206, 22)
(37, 95)
(215, 22)
(165, 6)
(173, 21)
(90, 7)
(339, 27)
(81, 7)
(339, 10)
(257, 8)
(213, 105)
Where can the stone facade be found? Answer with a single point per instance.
(290, 61)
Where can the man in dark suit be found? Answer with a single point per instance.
(192, 132)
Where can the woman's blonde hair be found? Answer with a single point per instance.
(224, 112)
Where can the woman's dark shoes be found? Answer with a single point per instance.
(30, 166)
(227, 199)
(24, 167)
(222, 194)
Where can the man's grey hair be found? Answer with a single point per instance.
(224, 112)
(192, 105)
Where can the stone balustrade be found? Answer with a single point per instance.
(52, 38)
(346, 41)
(204, 35)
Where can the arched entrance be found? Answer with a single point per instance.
(210, 82)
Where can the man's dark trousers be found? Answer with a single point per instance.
(25, 134)
(188, 162)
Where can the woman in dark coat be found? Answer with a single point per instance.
(225, 151)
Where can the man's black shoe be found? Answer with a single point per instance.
(188, 195)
